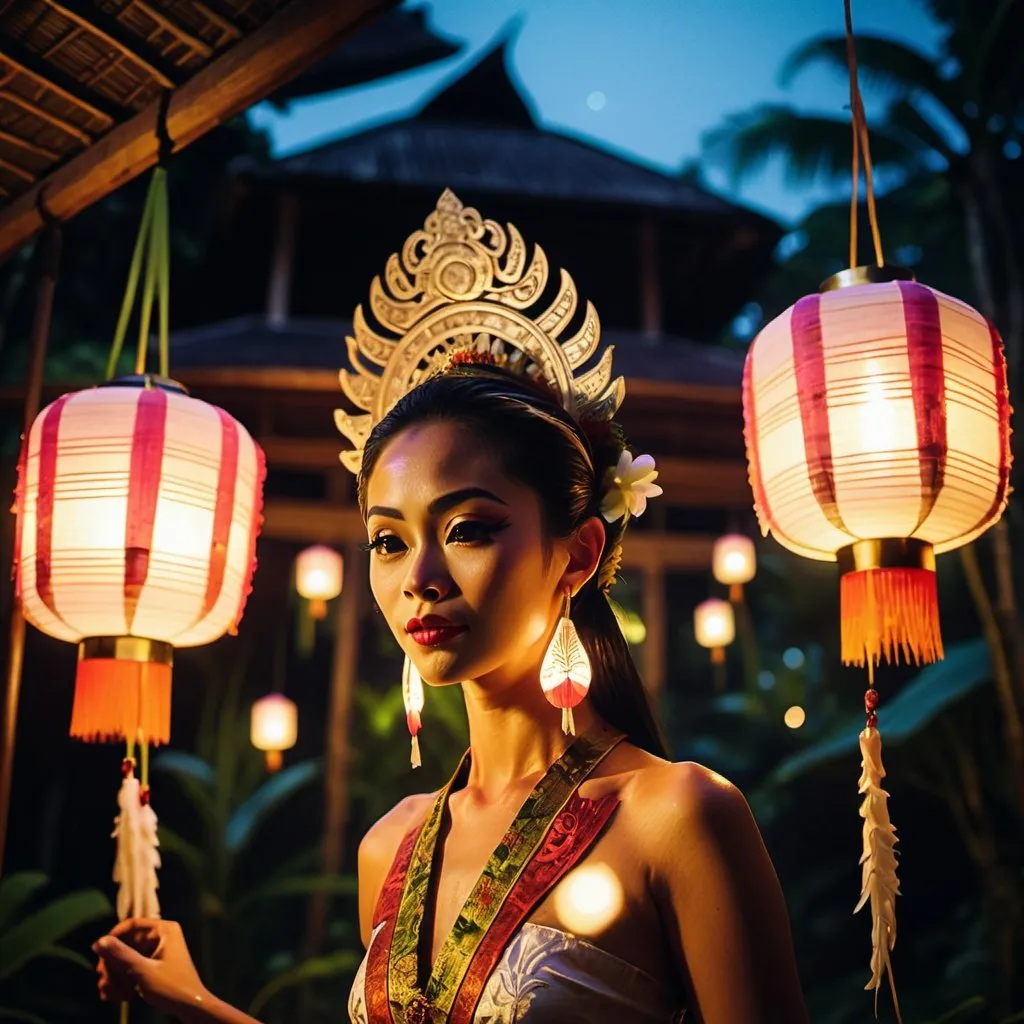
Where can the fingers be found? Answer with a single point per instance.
(115, 984)
(118, 956)
(141, 933)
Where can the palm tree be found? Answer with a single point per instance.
(951, 130)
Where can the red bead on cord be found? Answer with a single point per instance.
(872, 720)
(127, 767)
(871, 699)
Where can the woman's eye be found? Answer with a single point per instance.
(472, 532)
(386, 544)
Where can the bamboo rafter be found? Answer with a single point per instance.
(191, 42)
(31, 67)
(110, 31)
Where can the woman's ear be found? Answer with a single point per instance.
(585, 549)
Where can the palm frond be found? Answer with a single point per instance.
(883, 64)
(815, 148)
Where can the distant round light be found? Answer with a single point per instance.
(589, 899)
(765, 679)
(274, 723)
(794, 717)
(596, 100)
(792, 657)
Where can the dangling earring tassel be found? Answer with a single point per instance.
(412, 698)
(565, 673)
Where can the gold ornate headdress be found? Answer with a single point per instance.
(462, 286)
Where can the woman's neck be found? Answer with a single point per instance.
(514, 733)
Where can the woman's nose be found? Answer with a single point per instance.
(428, 580)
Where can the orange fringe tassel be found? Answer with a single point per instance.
(122, 700)
(886, 612)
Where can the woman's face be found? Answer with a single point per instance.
(460, 564)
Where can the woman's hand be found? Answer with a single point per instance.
(150, 958)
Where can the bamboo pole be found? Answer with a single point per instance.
(49, 263)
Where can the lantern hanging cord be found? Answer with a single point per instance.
(152, 248)
(860, 143)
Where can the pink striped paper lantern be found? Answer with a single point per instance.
(877, 424)
(138, 509)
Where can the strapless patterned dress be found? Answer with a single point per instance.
(547, 976)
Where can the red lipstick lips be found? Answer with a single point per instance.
(433, 630)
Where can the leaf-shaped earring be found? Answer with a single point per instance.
(412, 698)
(565, 672)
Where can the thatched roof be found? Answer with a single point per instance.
(81, 84)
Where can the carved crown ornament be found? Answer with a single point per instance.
(462, 286)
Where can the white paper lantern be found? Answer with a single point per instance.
(138, 510)
(273, 727)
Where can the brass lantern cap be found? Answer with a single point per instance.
(148, 381)
(870, 274)
(886, 553)
(126, 648)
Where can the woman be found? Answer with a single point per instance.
(495, 495)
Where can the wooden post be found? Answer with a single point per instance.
(279, 287)
(650, 278)
(654, 654)
(49, 263)
(338, 736)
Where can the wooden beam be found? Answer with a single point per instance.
(290, 41)
(318, 522)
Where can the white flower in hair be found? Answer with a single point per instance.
(628, 485)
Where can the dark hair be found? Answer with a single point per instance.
(522, 422)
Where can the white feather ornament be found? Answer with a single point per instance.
(879, 884)
(147, 862)
(126, 832)
(136, 858)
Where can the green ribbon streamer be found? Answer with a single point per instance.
(152, 247)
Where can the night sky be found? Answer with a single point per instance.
(647, 84)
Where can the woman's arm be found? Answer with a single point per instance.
(720, 893)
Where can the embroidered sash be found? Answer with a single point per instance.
(552, 831)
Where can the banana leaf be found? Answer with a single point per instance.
(309, 970)
(247, 819)
(15, 891)
(36, 934)
(932, 691)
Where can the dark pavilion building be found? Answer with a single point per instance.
(666, 263)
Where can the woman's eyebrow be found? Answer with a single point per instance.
(439, 505)
(383, 510)
(449, 501)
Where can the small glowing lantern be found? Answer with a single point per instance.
(318, 576)
(877, 429)
(138, 510)
(734, 562)
(274, 727)
(715, 627)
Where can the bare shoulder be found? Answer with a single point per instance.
(377, 850)
(383, 837)
(691, 810)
